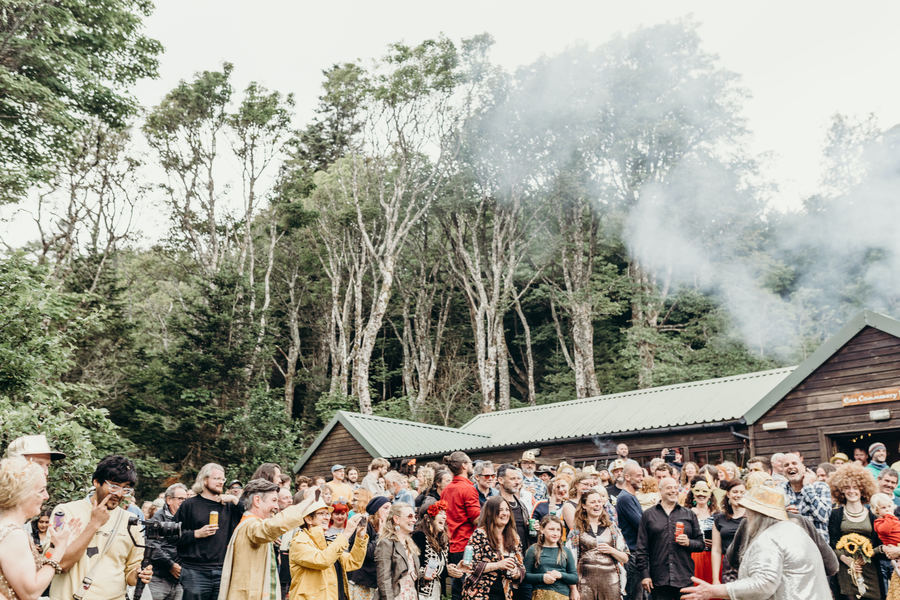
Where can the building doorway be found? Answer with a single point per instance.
(847, 442)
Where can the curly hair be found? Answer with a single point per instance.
(18, 479)
(852, 474)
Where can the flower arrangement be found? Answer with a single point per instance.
(436, 507)
(858, 548)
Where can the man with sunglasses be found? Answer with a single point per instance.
(102, 556)
(485, 480)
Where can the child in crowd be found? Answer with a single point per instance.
(887, 526)
(549, 565)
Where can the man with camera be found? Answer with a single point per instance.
(166, 568)
(102, 559)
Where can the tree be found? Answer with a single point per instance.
(665, 100)
(63, 64)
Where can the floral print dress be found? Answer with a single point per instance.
(477, 585)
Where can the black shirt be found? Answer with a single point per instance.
(727, 527)
(657, 555)
(613, 490)
(518, 513)
(208, 552)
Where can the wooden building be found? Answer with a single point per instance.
(846, 394)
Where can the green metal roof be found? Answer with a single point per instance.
(824, 352)
(697, 402)
(393, 438)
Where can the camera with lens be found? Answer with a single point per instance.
(156, 530)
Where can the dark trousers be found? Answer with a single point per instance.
(523, 592)
(666, 592)
(200, 584)
(633, 589)
(456, 583)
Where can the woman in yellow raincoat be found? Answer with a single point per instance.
(313, 576)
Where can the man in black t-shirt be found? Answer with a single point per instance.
(509, 479)
(204, 540)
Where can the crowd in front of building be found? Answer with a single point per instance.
(778, 528)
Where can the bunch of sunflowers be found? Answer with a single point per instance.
(859, 548)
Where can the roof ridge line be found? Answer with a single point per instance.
(353, 414)
(637, 392)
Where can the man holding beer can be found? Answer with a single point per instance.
(667, 535)
(206, 526)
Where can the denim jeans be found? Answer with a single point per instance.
(163, 588)
(633, 589)
(200, 584)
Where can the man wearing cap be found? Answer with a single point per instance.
(35, 449)
(530, 481)
(341, 490)
(616, 468)
(878, 454)
(780, 562)
(839, 458)
(249, 571)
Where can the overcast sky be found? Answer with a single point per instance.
(801, 61)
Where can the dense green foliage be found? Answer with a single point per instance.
(441, 238)
(62, 63)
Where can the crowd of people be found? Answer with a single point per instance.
(777, 528)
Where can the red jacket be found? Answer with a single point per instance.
(463, 509)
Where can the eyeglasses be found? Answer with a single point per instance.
(118, 489)
(491, 476)
(177, 499)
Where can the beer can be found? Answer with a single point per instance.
(468, 555)
(213, 517)
(679, 528)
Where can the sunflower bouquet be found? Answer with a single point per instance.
(859, 549)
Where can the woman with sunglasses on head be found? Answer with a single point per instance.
(701, 501)
(496, 559)
(397, 556)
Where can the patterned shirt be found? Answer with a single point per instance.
(536, 486)
(813, 501)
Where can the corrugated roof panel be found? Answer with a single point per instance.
(393, 438)
(707, 401)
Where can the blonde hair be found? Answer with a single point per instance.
(205, 471)
(880, 498)
(18, 478)
(389, 530)
(756, 478)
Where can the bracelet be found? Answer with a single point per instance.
(54, 564)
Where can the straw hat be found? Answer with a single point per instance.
(616, 464)
(840, 456)
(29, 445)
(765, 500)
(590, 470)
(312, 505)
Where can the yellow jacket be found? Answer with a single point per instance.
(312, 563)
(246, 573)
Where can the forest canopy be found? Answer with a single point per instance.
(443, 237)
